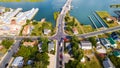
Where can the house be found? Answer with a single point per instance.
(112, 42)
(40, 47)
(111, 18)
(68, 46)
(100, 49)
(31, 44)
(107, 63)
(105, 43)
(46, 31)
(75, 31)
(27, 30)
(2, 9)
(86, 45)
(18, 62)
(114, 36)
(50, 46)
(116, 53)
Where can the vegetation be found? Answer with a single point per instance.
(93, 41)
(103, 15)
(39, 27)
(72, 22)
(21, 0)
(115, 6)
(115, 61)
(77, 54)
(31, 53)
(56, 15)
(44, 44)
(7, 43)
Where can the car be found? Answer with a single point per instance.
(61, 49)
(60, 62)
(61, 56)
(6, 65)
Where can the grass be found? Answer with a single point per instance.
(2, 52)
(39, 27)
(73, 22)
(87, 28)
(94, 63)
(103, 15)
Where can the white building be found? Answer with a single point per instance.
(86, 45)
(18, 62)
(47, 31)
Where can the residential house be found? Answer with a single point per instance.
(50, 46)
(107, 63)
(112, 42)
(31, 44)
(75, 31)
(46, 31)
(40, 47)
(18, 62)
(68, 46)
(111, 18)
(114, 36)
(86, 45)
(27, 30)
(2, 9)
(116, 53)
(105, 43)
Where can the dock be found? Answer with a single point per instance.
(93, 22)
(98, 20)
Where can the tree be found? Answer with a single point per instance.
(44, 44)
(115, 61)
(93, 41)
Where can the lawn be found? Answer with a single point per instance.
(103, 15)
(2, 52)
(39, 27)
(93, 63)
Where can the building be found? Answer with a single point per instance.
(2, 9)
(112, 42)
(105, 43)
(40, 47)
(46, 31)
(116, 53)
(86, 45)
(31, 44)
(27, 30)
(18, 62)
(68, 46)
(111, 19)
(75, 31)
(114, 36)
(50, 46)
(107, 63)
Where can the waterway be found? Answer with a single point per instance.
(81, 8)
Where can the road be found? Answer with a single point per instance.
(6, 58)
(99, 32)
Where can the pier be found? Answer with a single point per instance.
(93, 22)
(98, 20)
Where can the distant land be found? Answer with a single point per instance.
(21, 0)
(115, 6)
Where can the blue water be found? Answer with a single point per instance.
(81, 8)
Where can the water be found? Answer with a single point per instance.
(81, 8)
